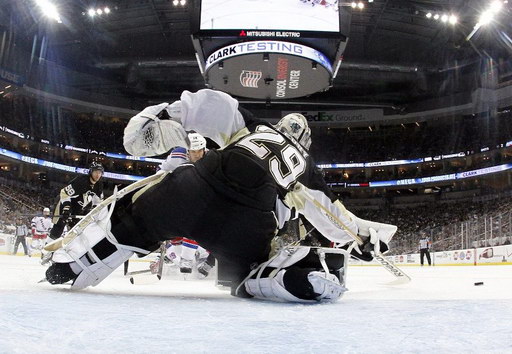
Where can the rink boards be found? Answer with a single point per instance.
(494, 255)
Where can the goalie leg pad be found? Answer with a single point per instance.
(271, 288)
(297, 285)
(91, 256)
(299, 274)
(327, 286)
(96, 272)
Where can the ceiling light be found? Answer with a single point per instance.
(444, 18)
(49, 10)
(429, 14)
(360, 5)
(452, 19)
(354, 5)
(486, 17)
(91, 12)
(183, 2)
(106, 10)
(496, 6)
(436, 17)
(175, 2)
(99, 11)
(370, 1)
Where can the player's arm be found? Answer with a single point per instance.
(66, 195)
(33, 225)
(329, 216)
(159, 128)
(177, 157)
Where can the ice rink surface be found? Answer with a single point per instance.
(440, 311)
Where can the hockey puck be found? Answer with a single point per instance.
(479, 283)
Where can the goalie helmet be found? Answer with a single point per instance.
(296, 126)
(197, 142)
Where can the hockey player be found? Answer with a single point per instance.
(231, 202)
(41, 226)
(183, 250)
(81, 195)
(180, 155)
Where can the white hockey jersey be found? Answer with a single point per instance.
(41, 225)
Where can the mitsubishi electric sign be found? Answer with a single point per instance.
(268, 70)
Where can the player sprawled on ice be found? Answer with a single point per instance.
(232, 202)
(182, 251)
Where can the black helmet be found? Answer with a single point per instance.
(96, 166)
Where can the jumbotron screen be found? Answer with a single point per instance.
(287, 15)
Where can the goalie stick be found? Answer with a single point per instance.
(402, 278)
(91, 217)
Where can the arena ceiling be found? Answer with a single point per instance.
(395, 55)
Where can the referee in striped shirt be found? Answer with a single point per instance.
(425, 249)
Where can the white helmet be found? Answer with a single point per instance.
(46, 211)
(197, 142)
(296, 126)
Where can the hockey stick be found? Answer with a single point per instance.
(402, 278)
(91, 217)
(141, 277)
(57, 216)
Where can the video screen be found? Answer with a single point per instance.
(288, 15)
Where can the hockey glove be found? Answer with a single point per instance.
(371, 245)
(155, 130)
(66, 211)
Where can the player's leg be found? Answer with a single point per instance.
(16, 245)
(24, 244)
(299, 274)
(206, 265)
(122, 230)
(58, 229)
(188, 255)
(100, 248)
(173, 252)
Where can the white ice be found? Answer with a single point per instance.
(440, 311)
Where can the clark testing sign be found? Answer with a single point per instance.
(268, 70)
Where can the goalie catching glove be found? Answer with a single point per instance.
(376, 237)
(155, 130)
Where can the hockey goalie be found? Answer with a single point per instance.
(232, 201)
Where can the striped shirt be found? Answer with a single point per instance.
(424, 242)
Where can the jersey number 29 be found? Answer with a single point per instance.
(258, 142)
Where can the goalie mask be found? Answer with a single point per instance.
(296, 126)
